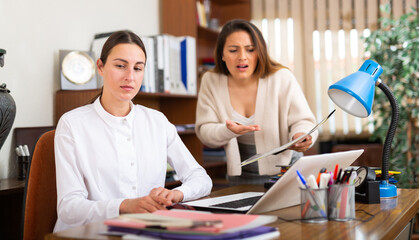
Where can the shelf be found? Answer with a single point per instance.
(164, 95)
(208, 33)
(11, 186)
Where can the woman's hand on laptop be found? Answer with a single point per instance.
(174, 196)
(158, 199)
(141, 205)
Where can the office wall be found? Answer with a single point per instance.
(33, 32)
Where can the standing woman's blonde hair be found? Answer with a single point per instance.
(265, 65)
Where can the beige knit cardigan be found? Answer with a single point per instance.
(281, 111)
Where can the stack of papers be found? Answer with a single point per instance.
(183, 224)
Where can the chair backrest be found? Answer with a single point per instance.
(40, 206)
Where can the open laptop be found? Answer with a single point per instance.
(284, 193)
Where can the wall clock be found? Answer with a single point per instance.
(78, 70)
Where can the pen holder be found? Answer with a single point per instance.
(342, 202)
(22, 162)
(314, 205)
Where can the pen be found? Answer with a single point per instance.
(22, 152)
(324, 180)
(335, 174)
(337, 177)
(331, 178)
(323, 170)
(348, 176)
(352, 177)
(311, 196)
(343, 202)
(344, 177)
(311, 182)
(19, 154)
(26, 150)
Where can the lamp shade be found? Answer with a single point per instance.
(355, 93)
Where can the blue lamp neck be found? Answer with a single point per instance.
(391, 131)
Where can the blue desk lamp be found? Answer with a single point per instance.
(355, 95)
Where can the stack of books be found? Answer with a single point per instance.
(184, 224)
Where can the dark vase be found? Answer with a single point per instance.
(7, 113)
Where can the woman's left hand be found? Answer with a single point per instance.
(173, 196)
(302, 145)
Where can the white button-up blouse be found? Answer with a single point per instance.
(102, 160)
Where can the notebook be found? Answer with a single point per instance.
(284, 193)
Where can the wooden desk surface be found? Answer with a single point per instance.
(11, 186)
(390, 217)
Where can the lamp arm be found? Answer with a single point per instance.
(391, 131)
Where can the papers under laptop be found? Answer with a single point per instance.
(284, 193)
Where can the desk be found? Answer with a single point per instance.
(391, 218)
(11, 200)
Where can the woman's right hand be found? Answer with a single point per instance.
(145, 204)
(241, 129)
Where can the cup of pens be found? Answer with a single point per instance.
(22, 152)
(341, 202)
(313, 199)
(314, 205)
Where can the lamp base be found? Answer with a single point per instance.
(387, 190)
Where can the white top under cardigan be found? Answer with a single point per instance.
(281, 111)
(102, 160)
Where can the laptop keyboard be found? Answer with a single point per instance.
(238, 203)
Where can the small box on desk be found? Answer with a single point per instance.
(371, 195)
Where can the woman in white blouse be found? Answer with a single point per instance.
(251, 104)
(111, 156)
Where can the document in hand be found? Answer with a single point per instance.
(284, 147)
(184, 224)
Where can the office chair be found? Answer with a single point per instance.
(40, 201)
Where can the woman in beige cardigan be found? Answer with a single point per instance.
(251, 104)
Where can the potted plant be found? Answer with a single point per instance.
(395, 46)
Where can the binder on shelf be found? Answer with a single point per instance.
(159, 71)
(166, 63)
(149, 72)
(175, 66)
(188, 64)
